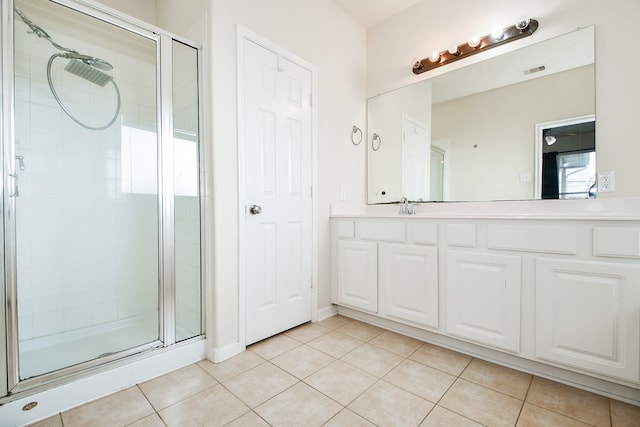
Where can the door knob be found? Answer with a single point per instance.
(255, 209)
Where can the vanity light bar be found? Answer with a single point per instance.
(521, 29)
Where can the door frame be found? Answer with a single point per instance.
(243, 34)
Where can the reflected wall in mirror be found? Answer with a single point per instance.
(470, 134)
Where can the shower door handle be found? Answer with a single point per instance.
(14, 192)
(255, 210)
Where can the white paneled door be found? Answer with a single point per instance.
(278, 168)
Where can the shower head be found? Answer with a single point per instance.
(87, 67)
(87, 72)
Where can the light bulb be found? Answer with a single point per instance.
(435, 56)
(453, 50)
(497, 33)
(523, 23)
(474, 41)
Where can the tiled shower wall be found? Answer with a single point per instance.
(87, 250)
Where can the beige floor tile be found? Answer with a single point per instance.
(342, 382)
(498, 378)
(302, 361)
(150, 421)
(624, 415)
(572, 402)
(360, 330)
(347, 418)
(274, 346)
(176, 386)
(335, 344)
(481, 404)
(335, 322)
(259, 384)
(373, 360)
(535, 416)
(424, 381)
(441, 417)
(55, 421)
(231, 367)
(387, 405)
(250, 419)
(441, 358)
(396, 343)
(300, 405)
(122, 408)
(307, 332)
(213, 407)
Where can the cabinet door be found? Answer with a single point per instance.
(588, 316)
(409, 277)
(358, 275)
(483, 298)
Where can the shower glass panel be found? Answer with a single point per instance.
(86, 193)
(186, 200)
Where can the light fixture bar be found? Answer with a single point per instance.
(522, 29)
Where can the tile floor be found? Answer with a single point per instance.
(341, 372)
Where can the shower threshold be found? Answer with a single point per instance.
(53, 352)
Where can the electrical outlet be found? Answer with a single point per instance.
(606, 182)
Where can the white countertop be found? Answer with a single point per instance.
(588, 209)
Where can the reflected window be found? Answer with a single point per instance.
(569, 160)
(576, 175)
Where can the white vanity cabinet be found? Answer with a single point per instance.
(409, 280)
(555, 296)
(588, 316)
(483, 298)
(357, 267)
(376, 271)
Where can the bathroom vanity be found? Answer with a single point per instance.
(551, 288)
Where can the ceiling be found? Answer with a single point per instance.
(371, 12)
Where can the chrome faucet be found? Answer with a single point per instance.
(407, 208)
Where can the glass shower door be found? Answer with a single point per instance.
(84, 188)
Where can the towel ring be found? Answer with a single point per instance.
(355, 130)
(373, 142)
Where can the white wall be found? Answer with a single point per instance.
(396, 43)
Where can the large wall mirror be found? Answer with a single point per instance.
(483, 132)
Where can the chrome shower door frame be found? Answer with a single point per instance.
(11, 385)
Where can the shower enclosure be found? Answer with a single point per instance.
(101, 190)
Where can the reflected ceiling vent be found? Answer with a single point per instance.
(534, 70)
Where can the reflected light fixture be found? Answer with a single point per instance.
(523, 28)
(550, 139)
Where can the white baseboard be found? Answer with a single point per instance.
(217, 355)
(326, 312)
